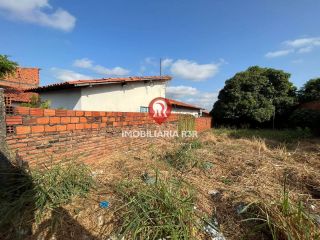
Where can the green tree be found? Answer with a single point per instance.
(6, 66)
(310, 91)
(255, 96)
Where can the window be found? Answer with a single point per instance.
(144, 109)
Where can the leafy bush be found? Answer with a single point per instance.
(161, 210)
(36, 102)
(306, 118)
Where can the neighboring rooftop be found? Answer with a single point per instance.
(23, 78)
(102, 81)
(176, 103)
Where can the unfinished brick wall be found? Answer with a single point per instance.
(203, 123)
(39, 136)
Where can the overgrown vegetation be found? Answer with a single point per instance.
(184, 157)
(36, 102)
(282, 219)
(186, 122)
(282, 136)
(161, 210)
(27, 197)
(6, 66)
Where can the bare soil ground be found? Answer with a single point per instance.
(243, 170)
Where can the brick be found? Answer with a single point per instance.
(54, 120)
(79, 113)
(43, 120)
(37, 129)
(23, 130)
(95, 125)
(95, 114)
(71, 126)
(80, 126)
(61, 128)
(88, 114)
(65, 120)
(49, 128)
(13, 120)
(74, 119)
(36, 112)
(102, 114)
(22, 110)
(49, 112)
(29, 120)
(112, 119)
(71, 113)
(61, 113)
(83, 119)
(104, 119)
(111, 114)
(87, 125)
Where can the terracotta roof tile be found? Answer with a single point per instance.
(182, 104)
(79, 83)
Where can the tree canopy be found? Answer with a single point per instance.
(310, 91)
(254, 96)
(6, 66)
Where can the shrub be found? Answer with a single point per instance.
(306, 118)
(161, 210)
(36, 102)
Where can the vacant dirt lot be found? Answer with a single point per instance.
(227, 170)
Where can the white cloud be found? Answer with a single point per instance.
(303, 42)
(88, 64)
(300, 45)
(177, 92)
(64, 75)
(167, 62)
(280, 53)
(191, 70)
(36, 11)
(192, 95)
(204, 99)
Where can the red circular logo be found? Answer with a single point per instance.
(160, 109)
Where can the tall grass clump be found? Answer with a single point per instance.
(284, 219)
(186, 123)
(184, 157)
(28, 196)
(161, 210)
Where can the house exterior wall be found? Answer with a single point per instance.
(127, 98)
(67, 98)
(181, 110)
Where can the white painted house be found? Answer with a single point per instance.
(130, 94)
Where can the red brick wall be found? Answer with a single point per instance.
(203, 123)
(315, 105)
(43, 135)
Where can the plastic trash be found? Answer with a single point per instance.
(104, 204)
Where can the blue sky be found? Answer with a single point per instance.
(202, 42)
